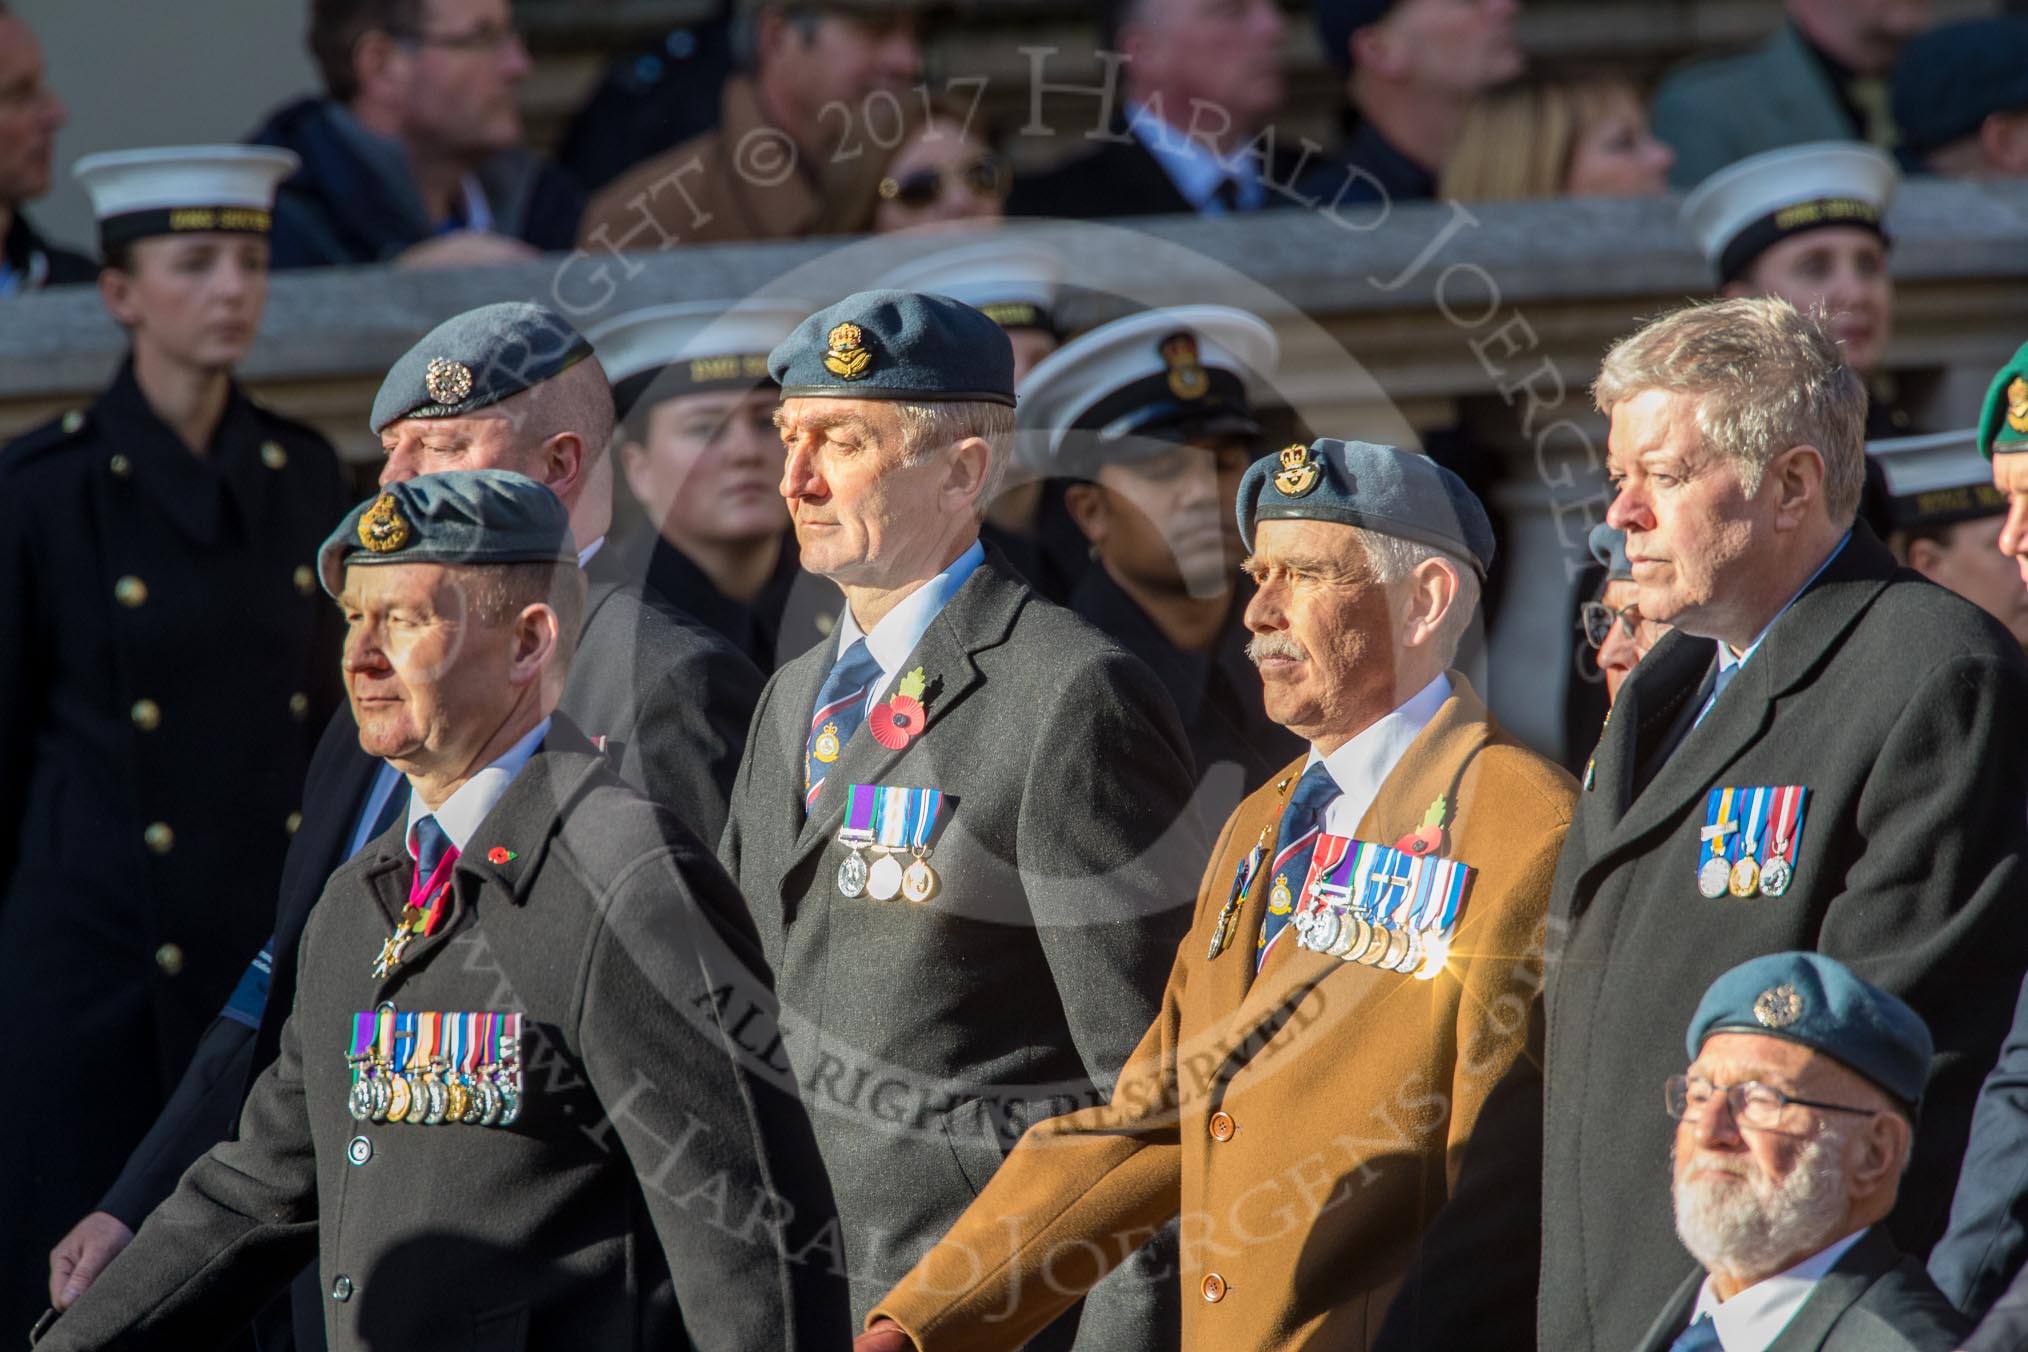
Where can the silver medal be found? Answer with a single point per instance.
(852, 875)
(1715, 878)
(883, 880)
(1775, 878)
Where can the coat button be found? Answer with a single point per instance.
(341, 1288)
(306, 581)
(130, 591)
(272, 454)
(159, 837)
(147, 715)
(1214, 1288)
(293, 822)
(169, 957)
(360, 1150)
(299, 706)
(120, 466)
(1221, 1126)
(73, 420)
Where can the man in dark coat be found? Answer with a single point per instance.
(508, 1105)
(964, 823)
(30, 117)
(1820, 777)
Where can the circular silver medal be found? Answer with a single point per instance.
(436, 1101)
(883, 880)
(1325, 928)
(489, 1101)
(1715, 878)
(852, 875)
(382, 1098)
(360, 1102)
(1774, 879)
(510, 1105)
(919, 883)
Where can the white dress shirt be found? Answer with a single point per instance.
(1363, 764)
(895, 637)
(462, 812)
(1755, 1317)
(1193, 167)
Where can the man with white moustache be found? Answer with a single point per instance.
(1794, 1124)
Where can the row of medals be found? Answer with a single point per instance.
(1744, 878)
(436, 1096)
(1354, 938)
(885, 879)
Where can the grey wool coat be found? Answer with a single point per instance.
(927, 1036)
(657, 1187)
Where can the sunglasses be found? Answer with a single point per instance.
(985, 176)
(1597, 620)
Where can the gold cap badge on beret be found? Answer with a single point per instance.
(1187, 377)
(846, 355)
(447, 381)
(1778, 1007)
(1297, 475)
(2017, 405)
(382, 529)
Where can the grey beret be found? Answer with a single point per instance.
(1609, 547)
(476, 359)
(1818, 1002)
(464, 516)
(1952, 78)
(1381, 488)
(899, 345)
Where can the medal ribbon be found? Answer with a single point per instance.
(404, 1039)
(861, 806)
(1752, 824)
(1385, 880)
(383, 1035)
(1454, 879)
(1788, 825)
(362, 1035)
(427, 1026)
(923, 807)
(427, 895)
(1325, 860)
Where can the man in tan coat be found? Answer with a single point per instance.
(1365, 946)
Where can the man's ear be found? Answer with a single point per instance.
(1881, 1147)
(967, 472)
(564, 464)
(1925, 555)
(1088, 508)
(536, 635)
(1432, 590)
(1798, 477)
(116, 290)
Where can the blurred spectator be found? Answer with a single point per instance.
(934, 172)
(649, 100)
(777, 162)
(30, 116)
(1961, 100)
(1613, 624)
(1947, 516)
(1821, 77)
(1544, 138)
(1200, 81)
(1412, 69)
(415, 152)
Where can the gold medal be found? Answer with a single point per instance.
(919, 883)
(399, 1097)
(1744, 880)
(1353, 936)
(458, 1100)
(1397, 949)
(1376, 944)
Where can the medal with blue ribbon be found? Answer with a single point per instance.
(1714, 871)
(890, 821)
(1785, 829)
(857, 834)
(1381, 906)
(1744, 880)
(1242, 884)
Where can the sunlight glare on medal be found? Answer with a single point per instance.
(1436, 950)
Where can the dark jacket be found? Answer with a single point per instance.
(166, 659)
(1874, 1299)
(794, 612)
(354, 201)
(607, 1215)
(37, 263)
(1368, 169)
(1120, 177)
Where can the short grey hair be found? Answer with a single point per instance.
(1765, 376)
(1395, 560)
(498, 592)
(928, 428)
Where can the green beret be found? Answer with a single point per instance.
(1380, 488)
(463, 516)
(1817, 1001)
(2003, 424)
(899, 345)
(474, 360)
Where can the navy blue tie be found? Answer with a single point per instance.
(1295, 842)
(841, 708)
(431, 841)
(1701, 1336)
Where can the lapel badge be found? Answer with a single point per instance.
(1187, 377)
(1778, 1006)
(383, 529)
(846, 355)
(1297, 475)
(1429, 837)
(899, 721)
(500, 854)
(827, 748)
(2017, 404)
(447, 381)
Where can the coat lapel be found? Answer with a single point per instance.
(1675, 1316)
(1837, 1291)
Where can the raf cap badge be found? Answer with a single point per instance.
(845, 354)
(2017, 405)
(447, 381)
(1297, 475)
(1187, 377)
(382, 529)
(1778, 1007)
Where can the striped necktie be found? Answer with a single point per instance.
(841, 707)
(1701, 1336)
(1295, 842)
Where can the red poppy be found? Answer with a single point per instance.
(500, 854)
(896, 723)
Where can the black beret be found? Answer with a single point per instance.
(464, 516)
(474, 360)
(1337, 20)
(1952, 78)
(900, 345)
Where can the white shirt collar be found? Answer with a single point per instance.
(1363, 764)
(464, 810)
(1755, 1317)
(584, 556)
(901, 629)
(1192, 167)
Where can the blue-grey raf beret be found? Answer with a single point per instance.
(1953, 77)
(1380, 488)
(474, 360)
(1818, 1002)
(1338, 20)
(900, 345)
(1609, 547)
(466, 516)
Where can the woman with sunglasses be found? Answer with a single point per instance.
(938, 173)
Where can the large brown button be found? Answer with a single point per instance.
(159, 837)
(272, 454)
(147, 715)
(1221, 1126)
(130, 591)
(1214, 1288)
(120, 466)
(169, 958)
(299, 706)
(306, 581)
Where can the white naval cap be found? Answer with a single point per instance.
(166, 190)
(1743, 208)
(1013, 283)
(692, 346)
(1936, 480)
(1123, 390)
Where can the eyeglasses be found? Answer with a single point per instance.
(1753, 1104)
(985, 177)
(485, 38)
(1597, 619)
